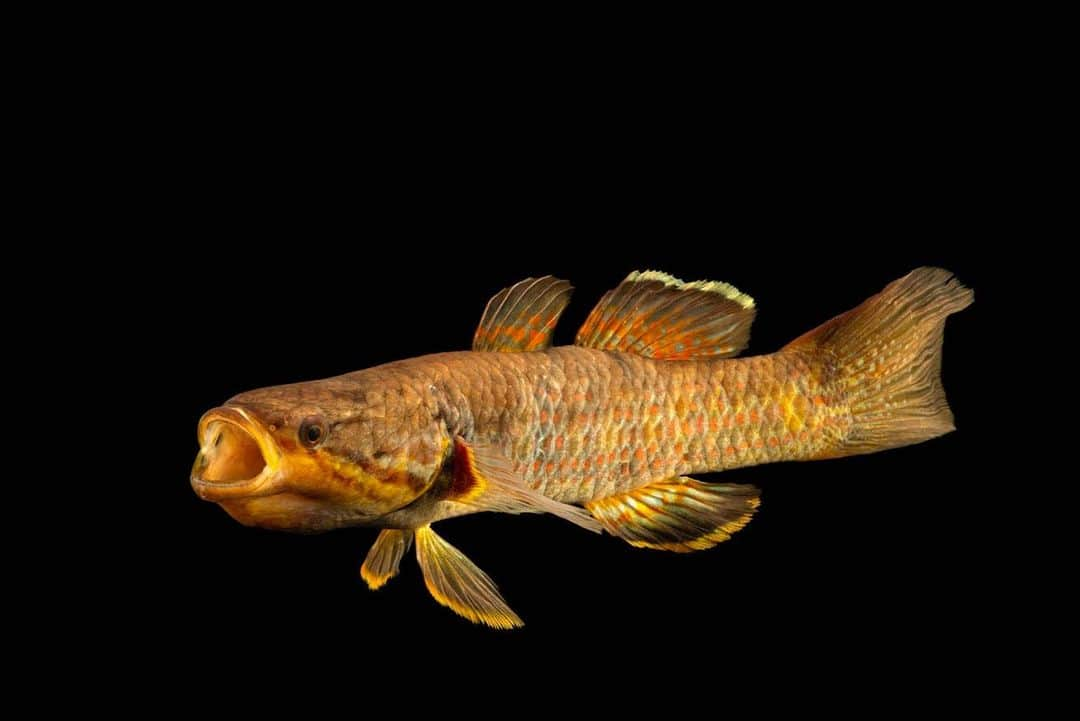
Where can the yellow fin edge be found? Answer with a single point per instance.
(375, 581)
(500, 621)
(709, 286)
(384, 558)
(445, 569)
(710, 539)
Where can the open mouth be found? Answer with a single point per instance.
(237, 456)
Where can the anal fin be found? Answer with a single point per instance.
(678, 514)
(385, 556)
(456, 582)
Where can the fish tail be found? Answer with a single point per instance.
(883, 361)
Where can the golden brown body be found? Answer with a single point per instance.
(581, 424)
(648, 397)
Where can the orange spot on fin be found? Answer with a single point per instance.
(658, 316)
(523, 316)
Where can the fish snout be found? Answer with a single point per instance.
(237, 456)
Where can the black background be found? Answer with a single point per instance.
(292, 247)
(225, 205)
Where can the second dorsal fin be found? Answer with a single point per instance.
(659, 316)
(523, 316)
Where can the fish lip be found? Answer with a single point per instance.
(265, 483)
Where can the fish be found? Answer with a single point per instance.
(608, 433)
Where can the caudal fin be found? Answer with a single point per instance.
(885, 356)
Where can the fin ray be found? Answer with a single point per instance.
(384, 558)
(680, 514)
(885, 357)
(457, 583)
(659, 316)
(522, 317)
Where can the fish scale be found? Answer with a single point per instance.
(607, 434)
(581, 424)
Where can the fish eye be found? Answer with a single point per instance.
(312, 432)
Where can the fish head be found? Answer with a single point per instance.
(313, 457)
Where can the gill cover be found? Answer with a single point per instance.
(262, 464)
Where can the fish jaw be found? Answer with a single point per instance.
(291, 512)
(238, 457)
(261, 477)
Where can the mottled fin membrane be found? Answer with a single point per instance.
(483, 478)
(455, 582)
(384, 558)
(523, 316)
(885, 355)
(680, 514)
(658, 316)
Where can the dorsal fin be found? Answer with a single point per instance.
(523, 316)
(658, 316)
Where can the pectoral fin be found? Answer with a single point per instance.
(484, 478)
(679, 514)
(384, 558)
(455, 582)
